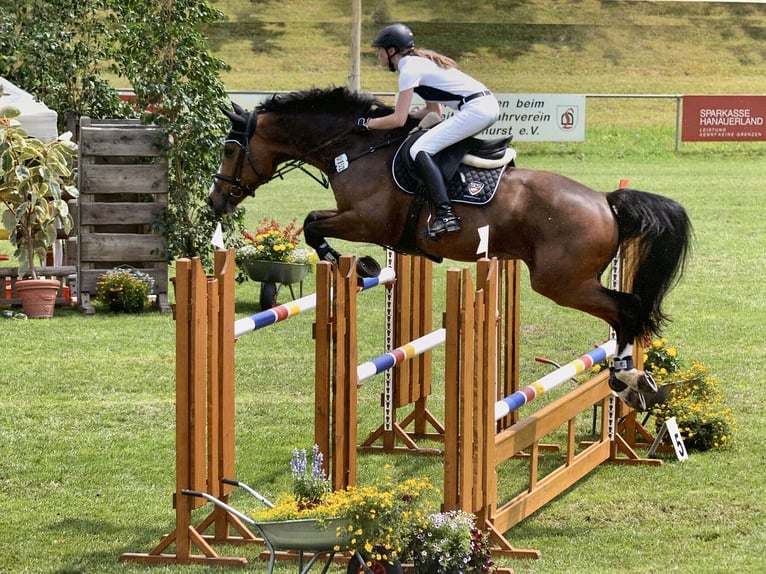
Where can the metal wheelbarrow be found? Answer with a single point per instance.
(303, 536)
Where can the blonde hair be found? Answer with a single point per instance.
(439, 59)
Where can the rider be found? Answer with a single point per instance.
(434, 78)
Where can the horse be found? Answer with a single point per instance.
(566, 233)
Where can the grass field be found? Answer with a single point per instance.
(87, 403)
(86, 461)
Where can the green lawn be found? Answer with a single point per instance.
(87, 403)
(86, 414)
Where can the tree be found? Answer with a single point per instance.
(56, 49)
(164, 56)
(59, 49)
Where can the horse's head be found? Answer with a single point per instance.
(241, 170)
(311, 126)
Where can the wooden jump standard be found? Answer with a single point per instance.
(475, 447)
(204, 414)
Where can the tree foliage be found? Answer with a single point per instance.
(164, 56)
(62, 52)
(56, 50)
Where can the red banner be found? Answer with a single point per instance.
(723, 118)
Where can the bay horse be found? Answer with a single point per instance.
(566, 233)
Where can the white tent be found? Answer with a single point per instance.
(38, 120)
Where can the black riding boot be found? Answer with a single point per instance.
(446, 220)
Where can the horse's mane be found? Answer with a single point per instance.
(335, 101)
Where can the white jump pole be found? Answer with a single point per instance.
(307, 303)
(561, 375)
(400, 354)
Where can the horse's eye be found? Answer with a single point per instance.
(228, 152)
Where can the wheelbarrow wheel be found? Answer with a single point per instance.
(269, 292)
(355, 566)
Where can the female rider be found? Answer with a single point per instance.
(434, 78)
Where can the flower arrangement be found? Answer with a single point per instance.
(124, 289)
(271, 242)
(450, 543)
(379, 521)
(661, 359)
(693, 397)
(696, 401)
(310, 483)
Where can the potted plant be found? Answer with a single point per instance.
(34, 177)
(271, 256)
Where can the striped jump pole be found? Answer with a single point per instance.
(564, 373)
(307, 303)
(400, 354)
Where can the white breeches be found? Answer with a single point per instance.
(474, 117)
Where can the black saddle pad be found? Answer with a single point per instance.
(469, 184)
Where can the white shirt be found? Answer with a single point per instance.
(433, 83)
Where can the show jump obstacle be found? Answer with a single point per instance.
(205, 336)
(480, 333)
(204, 415)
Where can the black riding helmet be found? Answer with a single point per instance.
(396, 36)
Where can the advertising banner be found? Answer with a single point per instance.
(535, 117)
(527, 117)
(723, 118)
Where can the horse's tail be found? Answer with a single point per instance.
(661, 232)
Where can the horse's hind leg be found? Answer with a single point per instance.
(620, 311)
(630, 384)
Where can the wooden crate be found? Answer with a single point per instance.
(123, 184)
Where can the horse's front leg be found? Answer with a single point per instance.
(316, 239)
(315, 230)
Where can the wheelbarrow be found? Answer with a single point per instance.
(273, 275)
(302, 535)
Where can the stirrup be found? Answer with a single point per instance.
(448, 223)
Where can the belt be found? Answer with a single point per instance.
(467, 99)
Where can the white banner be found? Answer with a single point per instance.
(535, 117)
(527, 117)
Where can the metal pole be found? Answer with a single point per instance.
(354, 80)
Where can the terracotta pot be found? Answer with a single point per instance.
(38, 297)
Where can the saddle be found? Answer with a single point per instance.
(471, 167)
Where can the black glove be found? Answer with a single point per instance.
(360, 126)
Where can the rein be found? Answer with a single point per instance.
(243, 141)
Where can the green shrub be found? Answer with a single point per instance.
(124, 290)
(696, 402)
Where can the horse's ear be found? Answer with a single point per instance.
(240, 111)
(229, 114)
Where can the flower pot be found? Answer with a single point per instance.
(275, 271)
(38, 297)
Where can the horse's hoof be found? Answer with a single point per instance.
(367, 267)
(633, 399)
(639, 381)
(647, 384)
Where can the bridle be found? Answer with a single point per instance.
(242, 139)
